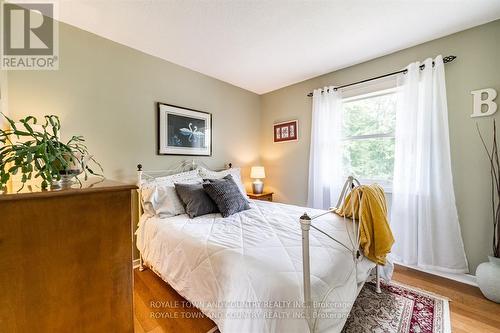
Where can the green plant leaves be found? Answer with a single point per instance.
(40, 152)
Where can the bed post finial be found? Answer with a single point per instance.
(230, 165)
(305, 217)
(139, 167)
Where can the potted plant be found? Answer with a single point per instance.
(36, 151)
(488, 273)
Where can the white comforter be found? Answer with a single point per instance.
(245, 271)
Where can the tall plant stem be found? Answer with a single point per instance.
(495, 187)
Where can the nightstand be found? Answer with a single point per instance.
(266, 196)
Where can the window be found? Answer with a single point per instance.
(368, 137)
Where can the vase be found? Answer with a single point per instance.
(68, 178)
(488, 278)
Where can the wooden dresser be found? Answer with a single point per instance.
(66, 259)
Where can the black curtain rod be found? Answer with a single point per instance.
(446, 60)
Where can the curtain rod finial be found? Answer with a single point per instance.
(449, 58)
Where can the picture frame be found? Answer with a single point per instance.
(286, 131)
(183, 131)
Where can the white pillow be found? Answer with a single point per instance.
(159, 196)
(235, 172)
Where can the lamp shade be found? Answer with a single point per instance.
(258, 172)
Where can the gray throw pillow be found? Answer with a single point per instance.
(195, 199)
(226, 195)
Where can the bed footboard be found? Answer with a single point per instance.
(305, 224)
(377, 280)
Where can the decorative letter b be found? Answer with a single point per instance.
(478, 102)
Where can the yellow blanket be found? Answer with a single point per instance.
(376, 237)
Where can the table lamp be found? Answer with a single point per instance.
(257, 173)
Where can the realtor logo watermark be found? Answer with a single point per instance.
(30, 39)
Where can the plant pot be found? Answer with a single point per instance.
(488, 278)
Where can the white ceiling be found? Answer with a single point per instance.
(263, 45)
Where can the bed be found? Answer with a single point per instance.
(245, 272)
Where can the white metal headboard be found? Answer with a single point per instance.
(183, 166)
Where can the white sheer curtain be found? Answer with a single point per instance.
(325, 156)
(424, 216)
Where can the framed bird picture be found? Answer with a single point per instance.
(183, 131)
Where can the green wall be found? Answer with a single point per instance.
(107, 92)
(477, 66)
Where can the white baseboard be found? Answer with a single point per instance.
(463, 278)
(136, 263)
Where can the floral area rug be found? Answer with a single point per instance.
(398, 309)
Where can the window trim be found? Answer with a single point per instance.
(369, 136)
(376, 93)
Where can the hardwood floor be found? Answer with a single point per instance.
(158, 308)
(470, 311)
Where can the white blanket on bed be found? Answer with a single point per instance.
(245, 271)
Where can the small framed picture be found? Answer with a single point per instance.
(183, 131)
(286, 131)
